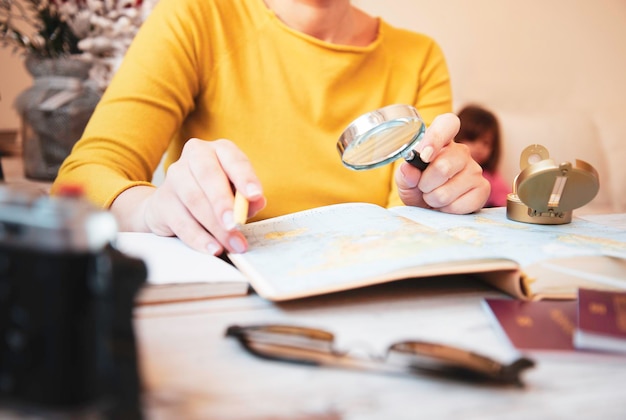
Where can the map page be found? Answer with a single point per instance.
(524, 242)
(345, 246)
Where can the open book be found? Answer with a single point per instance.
(177, 272)
(345, 246)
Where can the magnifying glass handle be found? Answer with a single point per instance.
(414, 159)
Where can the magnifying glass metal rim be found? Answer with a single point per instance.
(368, 124)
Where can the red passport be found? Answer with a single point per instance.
(542, 325)
(601, 321)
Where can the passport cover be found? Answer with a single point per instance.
(601, 320)
(541, 325)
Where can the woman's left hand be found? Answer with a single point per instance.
(452, 182)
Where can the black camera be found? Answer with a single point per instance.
(66, 300)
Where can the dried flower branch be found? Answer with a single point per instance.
(106, 29)
(97, 31)
(36, 27)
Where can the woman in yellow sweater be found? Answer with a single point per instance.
(254, 94)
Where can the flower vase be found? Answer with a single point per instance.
(54, 112)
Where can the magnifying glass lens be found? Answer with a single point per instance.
(382, 144)
(380, 137)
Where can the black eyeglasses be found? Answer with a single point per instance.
(315, 347)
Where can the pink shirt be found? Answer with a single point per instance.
(499, 189)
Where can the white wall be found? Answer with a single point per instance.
(524, 55)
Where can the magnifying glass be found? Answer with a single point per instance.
(382, 136)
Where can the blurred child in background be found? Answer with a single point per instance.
(480, 131)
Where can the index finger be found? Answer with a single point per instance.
(221, 167)
(440, 133)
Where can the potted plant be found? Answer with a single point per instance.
(71, 48)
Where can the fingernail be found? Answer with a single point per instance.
(237, 244)
(253, 190)
(228, 220)
(213, 248)
(426, 154)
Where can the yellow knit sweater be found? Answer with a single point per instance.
(231, 69)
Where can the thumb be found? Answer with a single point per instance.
(407, 178)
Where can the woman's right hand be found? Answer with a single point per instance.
(195, 200)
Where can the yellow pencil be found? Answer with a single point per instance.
(240, 209)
